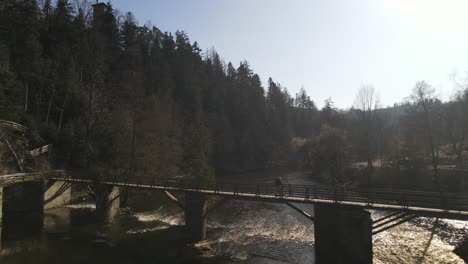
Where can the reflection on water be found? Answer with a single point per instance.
(238, 232)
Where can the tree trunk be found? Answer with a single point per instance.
(60, 121)
(26, 88)
(132, 154)
(48, 111)
(459, 154)
(90, 108)
(432, 146)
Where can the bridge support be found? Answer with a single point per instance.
(57, 193)
(342, 235)
(1, 211)
(26, 201)
(195, 216)
(107, 202)
(1, 215)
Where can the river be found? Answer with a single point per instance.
(151, 231)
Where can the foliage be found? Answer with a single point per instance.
(114, 96)
(327, 153)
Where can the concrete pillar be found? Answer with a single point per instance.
(57, 193)
(1, 209)
(23, 201)
(124, 195)
(195, 216)
(1, 216)
(342, 235)
(107, 202)
(24, 197)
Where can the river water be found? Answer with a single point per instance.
(238, 232)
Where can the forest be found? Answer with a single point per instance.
(115, 96)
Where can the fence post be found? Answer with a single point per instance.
(336, 194)
(443, 202)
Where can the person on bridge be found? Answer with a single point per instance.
(279, 184)
(279, 181)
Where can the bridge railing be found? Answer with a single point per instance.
(405, 198)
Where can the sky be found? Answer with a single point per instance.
(331, 48)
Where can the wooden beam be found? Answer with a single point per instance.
(404, 220)
(385, 217)
(39, 151)
(217, 204)
(390, 219)
(299, 210)
(13, 125)
(14, 154)
(175, 200)
(10, 179)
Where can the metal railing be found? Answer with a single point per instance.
(422, 201)
(13, 125)
(299, 192)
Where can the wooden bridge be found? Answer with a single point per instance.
(436, 204)
(339, 213)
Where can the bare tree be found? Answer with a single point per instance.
(423, 96)
(84, 9)
(367, 102)
(456, 126)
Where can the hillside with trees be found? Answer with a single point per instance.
(117, 97)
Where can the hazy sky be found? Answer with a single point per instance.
(330, 47)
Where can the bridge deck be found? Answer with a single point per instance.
(437, 204)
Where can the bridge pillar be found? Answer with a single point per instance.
(25, 200)
(195, 216)
(107, 202)
(1, 211)
(342, 235)
(1, 215)
(57, 193)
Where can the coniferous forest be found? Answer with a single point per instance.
(113, 95)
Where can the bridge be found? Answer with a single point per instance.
(339, 213)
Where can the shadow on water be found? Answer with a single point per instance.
(72, 235)
(426, 248)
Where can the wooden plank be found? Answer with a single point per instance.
(13, 125)
(15, 178)
(39, 151)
